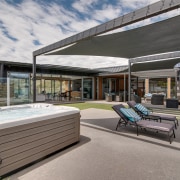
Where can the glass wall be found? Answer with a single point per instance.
(159, 86)
(48, 88)
(18, 90)
(76, 87)
(80, 90)
(51, 86)
(3, 92)
(87, 88)
(110, 86)
(156, 86)
(105, 87)
(57, 87)
(138, 86)
(15, 89)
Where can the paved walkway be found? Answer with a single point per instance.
(104, 154)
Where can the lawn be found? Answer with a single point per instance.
(85, 105)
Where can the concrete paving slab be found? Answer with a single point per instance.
(106, 154)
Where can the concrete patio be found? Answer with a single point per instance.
(106, 154)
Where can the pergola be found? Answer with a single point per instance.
(157, 38)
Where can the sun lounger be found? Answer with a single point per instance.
(147, 114)
(139, 123)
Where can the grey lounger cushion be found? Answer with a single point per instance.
(156, 125)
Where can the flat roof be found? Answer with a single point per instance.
(50, 69)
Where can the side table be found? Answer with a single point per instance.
(172, 103)
(151, 117)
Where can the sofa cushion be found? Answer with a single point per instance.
(130, 114)
(142, 109)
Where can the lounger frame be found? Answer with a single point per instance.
(123, 121)
(131, 104)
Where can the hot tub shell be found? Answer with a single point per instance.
(27, 141)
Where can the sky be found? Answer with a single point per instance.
(28, 25)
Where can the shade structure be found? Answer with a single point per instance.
(155, 65)
(160, 37)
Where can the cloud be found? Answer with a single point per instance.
(107, 12)
(135, 4)
(84, 6)
(29, 22)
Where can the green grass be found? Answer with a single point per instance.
(85, 105)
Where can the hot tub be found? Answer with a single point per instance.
(32, 131)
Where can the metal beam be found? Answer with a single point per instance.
(129, 81)
(171, 55)
(130, 18)
(34, 79)
(1, 70)
(163, 73)
(124, 87)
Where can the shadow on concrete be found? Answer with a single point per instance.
(109, 125)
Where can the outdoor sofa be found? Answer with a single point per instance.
(157, 99)
(157, 126)
(147, 114)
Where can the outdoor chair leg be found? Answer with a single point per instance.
(175, 124)
(137, 131)
(169, 137)
(117, 125)
(120, 123)
(174, 133)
